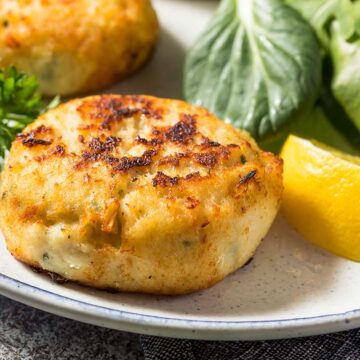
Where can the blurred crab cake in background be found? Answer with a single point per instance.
(76, 46)
(137, 193)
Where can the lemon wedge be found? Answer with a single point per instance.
(322, 195)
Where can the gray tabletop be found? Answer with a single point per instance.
(30, 334)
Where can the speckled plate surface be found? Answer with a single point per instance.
(290, 288)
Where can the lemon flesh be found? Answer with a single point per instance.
(322, 195)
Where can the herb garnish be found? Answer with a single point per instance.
(20, 104)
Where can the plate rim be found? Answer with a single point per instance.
(168, 326)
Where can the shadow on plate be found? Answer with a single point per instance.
(162, 75)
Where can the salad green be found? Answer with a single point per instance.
(20, 104)
(260, 66)
(337, 24)
(257, 66)
(346, 82)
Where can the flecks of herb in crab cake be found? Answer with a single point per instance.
(137, 193)
(76, 46)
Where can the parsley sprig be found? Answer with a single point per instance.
(20, 104)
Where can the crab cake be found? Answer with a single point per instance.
(75, 46)
(137, 193)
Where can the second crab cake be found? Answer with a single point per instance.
(76, 46)
(137, 193)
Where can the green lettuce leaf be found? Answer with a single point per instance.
(346, 64)
(337, 25)
(318, 13)
(257, 65)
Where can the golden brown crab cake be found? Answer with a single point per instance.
(137, 193)
(76, 46)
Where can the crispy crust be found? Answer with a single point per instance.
(136, 193)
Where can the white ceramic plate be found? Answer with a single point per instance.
(290, 289)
